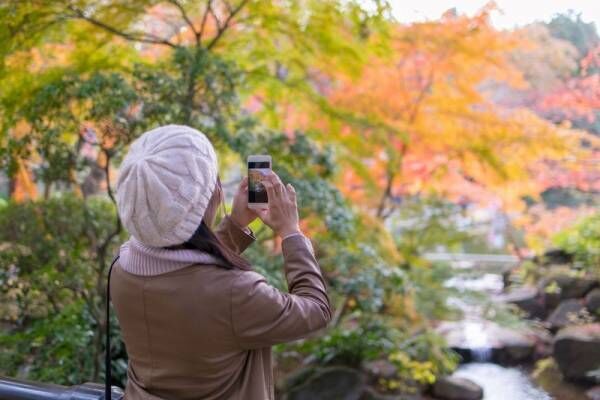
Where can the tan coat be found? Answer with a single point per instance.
(204, 332)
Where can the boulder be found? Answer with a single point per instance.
(556, 256)
(574, 287)
(371, 394)
(551, 301)
(330, 383)
(563, 315)
(487, 341)
(455, 388)
(298, 377)
(514, 346)
(592, 302)
(577, 351)
(528, 299)
(593, 393)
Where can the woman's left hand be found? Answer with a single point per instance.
(240, 213)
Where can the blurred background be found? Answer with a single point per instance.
(446, 155)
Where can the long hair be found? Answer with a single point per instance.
(204, 239)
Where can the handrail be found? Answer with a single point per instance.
(14, 389)
(477, 258)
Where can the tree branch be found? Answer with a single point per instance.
(145, 38)
(223, 28)
(187, 20)
(204, 19)
(386, 194)
(107, 172)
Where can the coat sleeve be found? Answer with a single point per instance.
(233, 236)
(263, 316)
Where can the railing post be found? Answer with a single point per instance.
(14, 389)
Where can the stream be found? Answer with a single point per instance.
(498, 382)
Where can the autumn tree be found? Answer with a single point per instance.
(426, 122)
(571, 27)
(104, 73)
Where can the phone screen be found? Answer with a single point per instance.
(256, 191)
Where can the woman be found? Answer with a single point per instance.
(197, 322)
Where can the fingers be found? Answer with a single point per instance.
(274, 181)
(273, 178)
(291, 192)
(243, 186)
(271, 192)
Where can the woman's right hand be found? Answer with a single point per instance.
(282, 214)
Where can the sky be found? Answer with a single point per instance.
(513, 12)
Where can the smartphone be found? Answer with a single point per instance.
(258, 167)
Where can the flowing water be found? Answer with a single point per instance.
(501, 383)
(498, 382)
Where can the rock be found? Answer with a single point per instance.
(488, 341)
(564, 314)
(574, 287)
(330, 383)
(592, 302)
(551, 301)
(515, 346)
(371, 394)
(528, 299)
(299, 377)
(577, 351)
(380, 369)
(593, 393)
(455, 388)
(556, 256)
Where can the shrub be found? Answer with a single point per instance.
(52, 267)
(583, 240)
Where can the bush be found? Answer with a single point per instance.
(52, 267)
(419, 357)
(349, 346)
(583, 240)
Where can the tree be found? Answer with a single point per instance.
(569, 26)
(114, 80)
(544, 60)
(578, 98)
(424, 121)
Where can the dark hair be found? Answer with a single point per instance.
(204, 239)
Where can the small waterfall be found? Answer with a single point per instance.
(477, 340)
(481, 354)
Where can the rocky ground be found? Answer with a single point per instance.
(566, 305)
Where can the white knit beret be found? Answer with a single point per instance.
(165, 183)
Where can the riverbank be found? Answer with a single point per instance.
(550, 354)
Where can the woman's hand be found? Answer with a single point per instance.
(282, 214)
(241, 215)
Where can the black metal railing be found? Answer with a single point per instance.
(13, 389)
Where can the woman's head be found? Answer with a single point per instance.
(166, 185)
(204, 238)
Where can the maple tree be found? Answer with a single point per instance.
(567, 96)
(427, 125)
(104, 73)
(577, 97)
